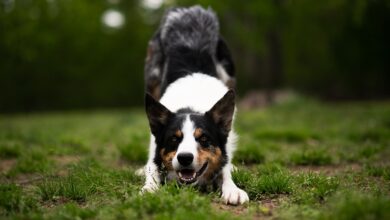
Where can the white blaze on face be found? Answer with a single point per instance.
(188, 144)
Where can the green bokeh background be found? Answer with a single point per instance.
(58, 54)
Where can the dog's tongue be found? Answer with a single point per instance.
(187, 173)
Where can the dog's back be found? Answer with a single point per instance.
(187, 42)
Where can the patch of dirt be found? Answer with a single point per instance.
(237, 210)
(65, 160)
(56, 202)
(22, 179)
(327, 170)
(261, 98)
(29, 178)
(257, 209)
(6, 165)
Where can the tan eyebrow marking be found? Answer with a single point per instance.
(198, 132)
(178, 134)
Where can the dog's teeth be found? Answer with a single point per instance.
(180, 175)
(194, 175)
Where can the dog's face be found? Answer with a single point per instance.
(191, 145)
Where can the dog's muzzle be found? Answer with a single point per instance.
(188, 176)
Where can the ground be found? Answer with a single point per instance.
(298, 159)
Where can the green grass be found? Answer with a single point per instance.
(354, 205)
(314, 157)
(300, 159)
(31, 161)
(314, 188)
(13, 200)
(378, 171)
(10, 150)
(264, 180)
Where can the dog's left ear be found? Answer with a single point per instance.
(158, 114)
(222, 112)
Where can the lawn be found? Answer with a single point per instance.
(299, 159)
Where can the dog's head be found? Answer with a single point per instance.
(190, 144)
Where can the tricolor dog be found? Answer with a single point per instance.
(190, 104)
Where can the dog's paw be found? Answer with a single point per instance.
(140, 171)
(149, 188)
(234, 196)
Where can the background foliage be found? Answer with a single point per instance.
(57, 54)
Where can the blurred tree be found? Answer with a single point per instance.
(58, 54)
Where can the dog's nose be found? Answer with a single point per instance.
(185, 159)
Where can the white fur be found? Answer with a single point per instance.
(188, 144)
(155, 72)
(199, 92)
(222, 74)
(231, 194)
(152, 176)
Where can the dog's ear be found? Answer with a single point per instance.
(222, 112)
(157, 113)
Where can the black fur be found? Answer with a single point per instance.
(185, 61)
(164, 137)
(180, 47)
(222, 112)
(213, 123)
(158, 114)
(188, 45)
(225, 58)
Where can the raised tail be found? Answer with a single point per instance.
(187, 41)
(193, 28)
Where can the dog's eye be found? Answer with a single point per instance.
(204, 141)
(174, 139)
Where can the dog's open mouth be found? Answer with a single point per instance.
(189, 175)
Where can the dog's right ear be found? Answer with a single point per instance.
(157, 113)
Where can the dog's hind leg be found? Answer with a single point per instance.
(231, 194)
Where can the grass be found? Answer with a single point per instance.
(354, 205)
(264, 180)
(300, 159)
(314, 157)
(13, 201)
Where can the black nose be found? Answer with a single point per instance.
(185, 159)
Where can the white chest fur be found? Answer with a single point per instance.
(197, 91)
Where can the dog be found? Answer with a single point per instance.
(190, 104)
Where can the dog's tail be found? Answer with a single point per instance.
(193, 28)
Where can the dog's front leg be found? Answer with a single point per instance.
(152, 175)
(152, 178)
(231, 194)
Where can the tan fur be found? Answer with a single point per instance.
(167, 159)
(178, 134)
(198, 132)
(213, 156)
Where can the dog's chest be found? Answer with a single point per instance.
(197, 91)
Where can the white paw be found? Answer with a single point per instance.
(140, 171)
(234, 195)
(149, 188)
